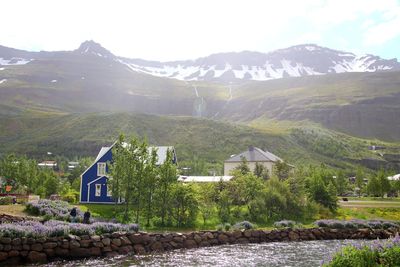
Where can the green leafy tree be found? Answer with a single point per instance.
(341, 183)
(261, 171)
(359, 180)
(184, 204)
(384, 183)
(281, 170)
(373, 186)
(167, 178)
(151, 180)
(243, 167)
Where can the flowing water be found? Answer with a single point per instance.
(307, 254)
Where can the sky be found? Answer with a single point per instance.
(185, 29)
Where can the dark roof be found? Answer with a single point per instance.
(255, 154)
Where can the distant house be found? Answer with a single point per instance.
(72, 165)
(51, 164)
(204, 179)
(94, 187)
(253, 155)
(394, 177)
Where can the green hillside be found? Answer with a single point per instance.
(360, 104)
(212, 141)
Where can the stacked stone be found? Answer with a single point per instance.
(20, 250)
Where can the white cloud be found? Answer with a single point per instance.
(385, 31)
(178, 29)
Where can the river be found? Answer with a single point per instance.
(306, 253)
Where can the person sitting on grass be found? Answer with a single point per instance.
(86, 217)
(73, 214)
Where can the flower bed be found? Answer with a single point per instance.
(379, 253)
(54, 228)
(356, 224)
(50, 209)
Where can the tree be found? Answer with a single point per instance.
(359, 180)
(320, 188)
(384, 183)
(373, 186)
(150, 178)
(184, 204)
(166, 180)
(261, 171)
(281, 170)
(206, 196)
(243, 167)
(341, 183)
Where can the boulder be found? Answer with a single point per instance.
(74, 244)
(157, 246)
(293, 236)
(5, 240)
(197, 238)
(49, 252)
(95, 238)
(35, 256)
(189, 243)
(223, 239)
(61, 252)
(139, 238)
(3, 255)
(106, 249)
(116, 241)
(125, 249)
(139, 249)
(85, 243)
(95, 251)
(16, 242)
(79, 252)
(125, 241)
(13, 253)
(37, 247)
(49, 245)
(106, 241)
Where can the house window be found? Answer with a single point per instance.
(109, 191)
(101, 169)
(98, 190)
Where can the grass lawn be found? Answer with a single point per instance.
(14, 210)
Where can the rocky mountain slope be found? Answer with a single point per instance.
(92, 79)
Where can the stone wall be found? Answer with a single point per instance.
(24, 250)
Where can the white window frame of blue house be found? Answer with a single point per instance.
(101, 169)
(97, 191)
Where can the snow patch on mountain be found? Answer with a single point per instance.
(14, 61)
(3, 81)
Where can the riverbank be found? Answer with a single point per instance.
(30, 250)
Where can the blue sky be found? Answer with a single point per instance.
(186, 29)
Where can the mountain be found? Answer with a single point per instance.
(295, 61)
(92, 79)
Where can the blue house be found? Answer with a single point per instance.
(94, 187)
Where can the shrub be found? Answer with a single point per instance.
(244, 225)
(378, 254)
(356, 224)
(284, 224)
(7, 200)
(54, 228)
(224, 227)
(52, 209)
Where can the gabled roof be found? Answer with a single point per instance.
(255, 154)
(103, 151)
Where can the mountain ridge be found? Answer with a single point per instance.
(295, 61)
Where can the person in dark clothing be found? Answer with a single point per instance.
(86, 217)
(73, 214)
